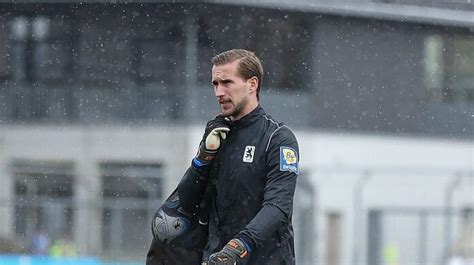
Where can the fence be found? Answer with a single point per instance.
(415, 236)
(124, 235)
(121, 225)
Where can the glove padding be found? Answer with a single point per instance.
(232, 252)
(216, 131)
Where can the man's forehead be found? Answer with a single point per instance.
(225, 69)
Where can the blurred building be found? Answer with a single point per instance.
(103, 103)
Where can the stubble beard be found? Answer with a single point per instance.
(238, 109)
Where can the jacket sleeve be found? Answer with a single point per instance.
(192, 187)
(281, 172)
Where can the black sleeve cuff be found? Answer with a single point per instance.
(249, 242)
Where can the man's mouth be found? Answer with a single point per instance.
(224, 102)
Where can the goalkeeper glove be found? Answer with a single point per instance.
(232, 252)
(216, 131)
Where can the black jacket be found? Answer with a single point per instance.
(161, 254)
(184, 249)
(252, 184)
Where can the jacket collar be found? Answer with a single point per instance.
(250, 118)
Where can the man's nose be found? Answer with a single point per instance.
(219, 91)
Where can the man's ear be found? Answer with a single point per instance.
(253, 81)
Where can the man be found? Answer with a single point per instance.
(247, 179)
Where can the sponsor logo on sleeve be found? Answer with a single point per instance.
(288, 159)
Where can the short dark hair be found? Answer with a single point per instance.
(249, 64)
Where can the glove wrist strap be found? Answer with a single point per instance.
(239, 246)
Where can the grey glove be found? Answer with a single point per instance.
(232, 252)
(216, 131)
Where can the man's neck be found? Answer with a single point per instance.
(249, 108)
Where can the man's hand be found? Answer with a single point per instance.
(232, 252)
(216, 131)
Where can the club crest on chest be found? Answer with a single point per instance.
(249, 153)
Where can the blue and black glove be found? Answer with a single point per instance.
(216, 131)
(233, 252)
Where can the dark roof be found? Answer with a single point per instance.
(362, 8)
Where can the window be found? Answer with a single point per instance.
(160, 55)
(433, 54)
(5, 53)
(20, 32)
(39, 57)
(105, 56)
(449, 64)
(43, 192)
(131, 180)
(52, 49)
(281, 42)
(459, 78)
(278, 39)
(131, 192)
(41, 49)
(159, 60)
(6, 70)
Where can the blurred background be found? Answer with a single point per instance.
(103, 104)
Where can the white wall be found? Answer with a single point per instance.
(87, 147)
(395, 172)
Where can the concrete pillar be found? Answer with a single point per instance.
(191, 67)
(175, 166)
(7, 193)
(88, 201)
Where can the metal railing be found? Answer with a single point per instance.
(76, 104)
(121, 226)
(413, 235)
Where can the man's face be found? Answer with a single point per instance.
(232, 91)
